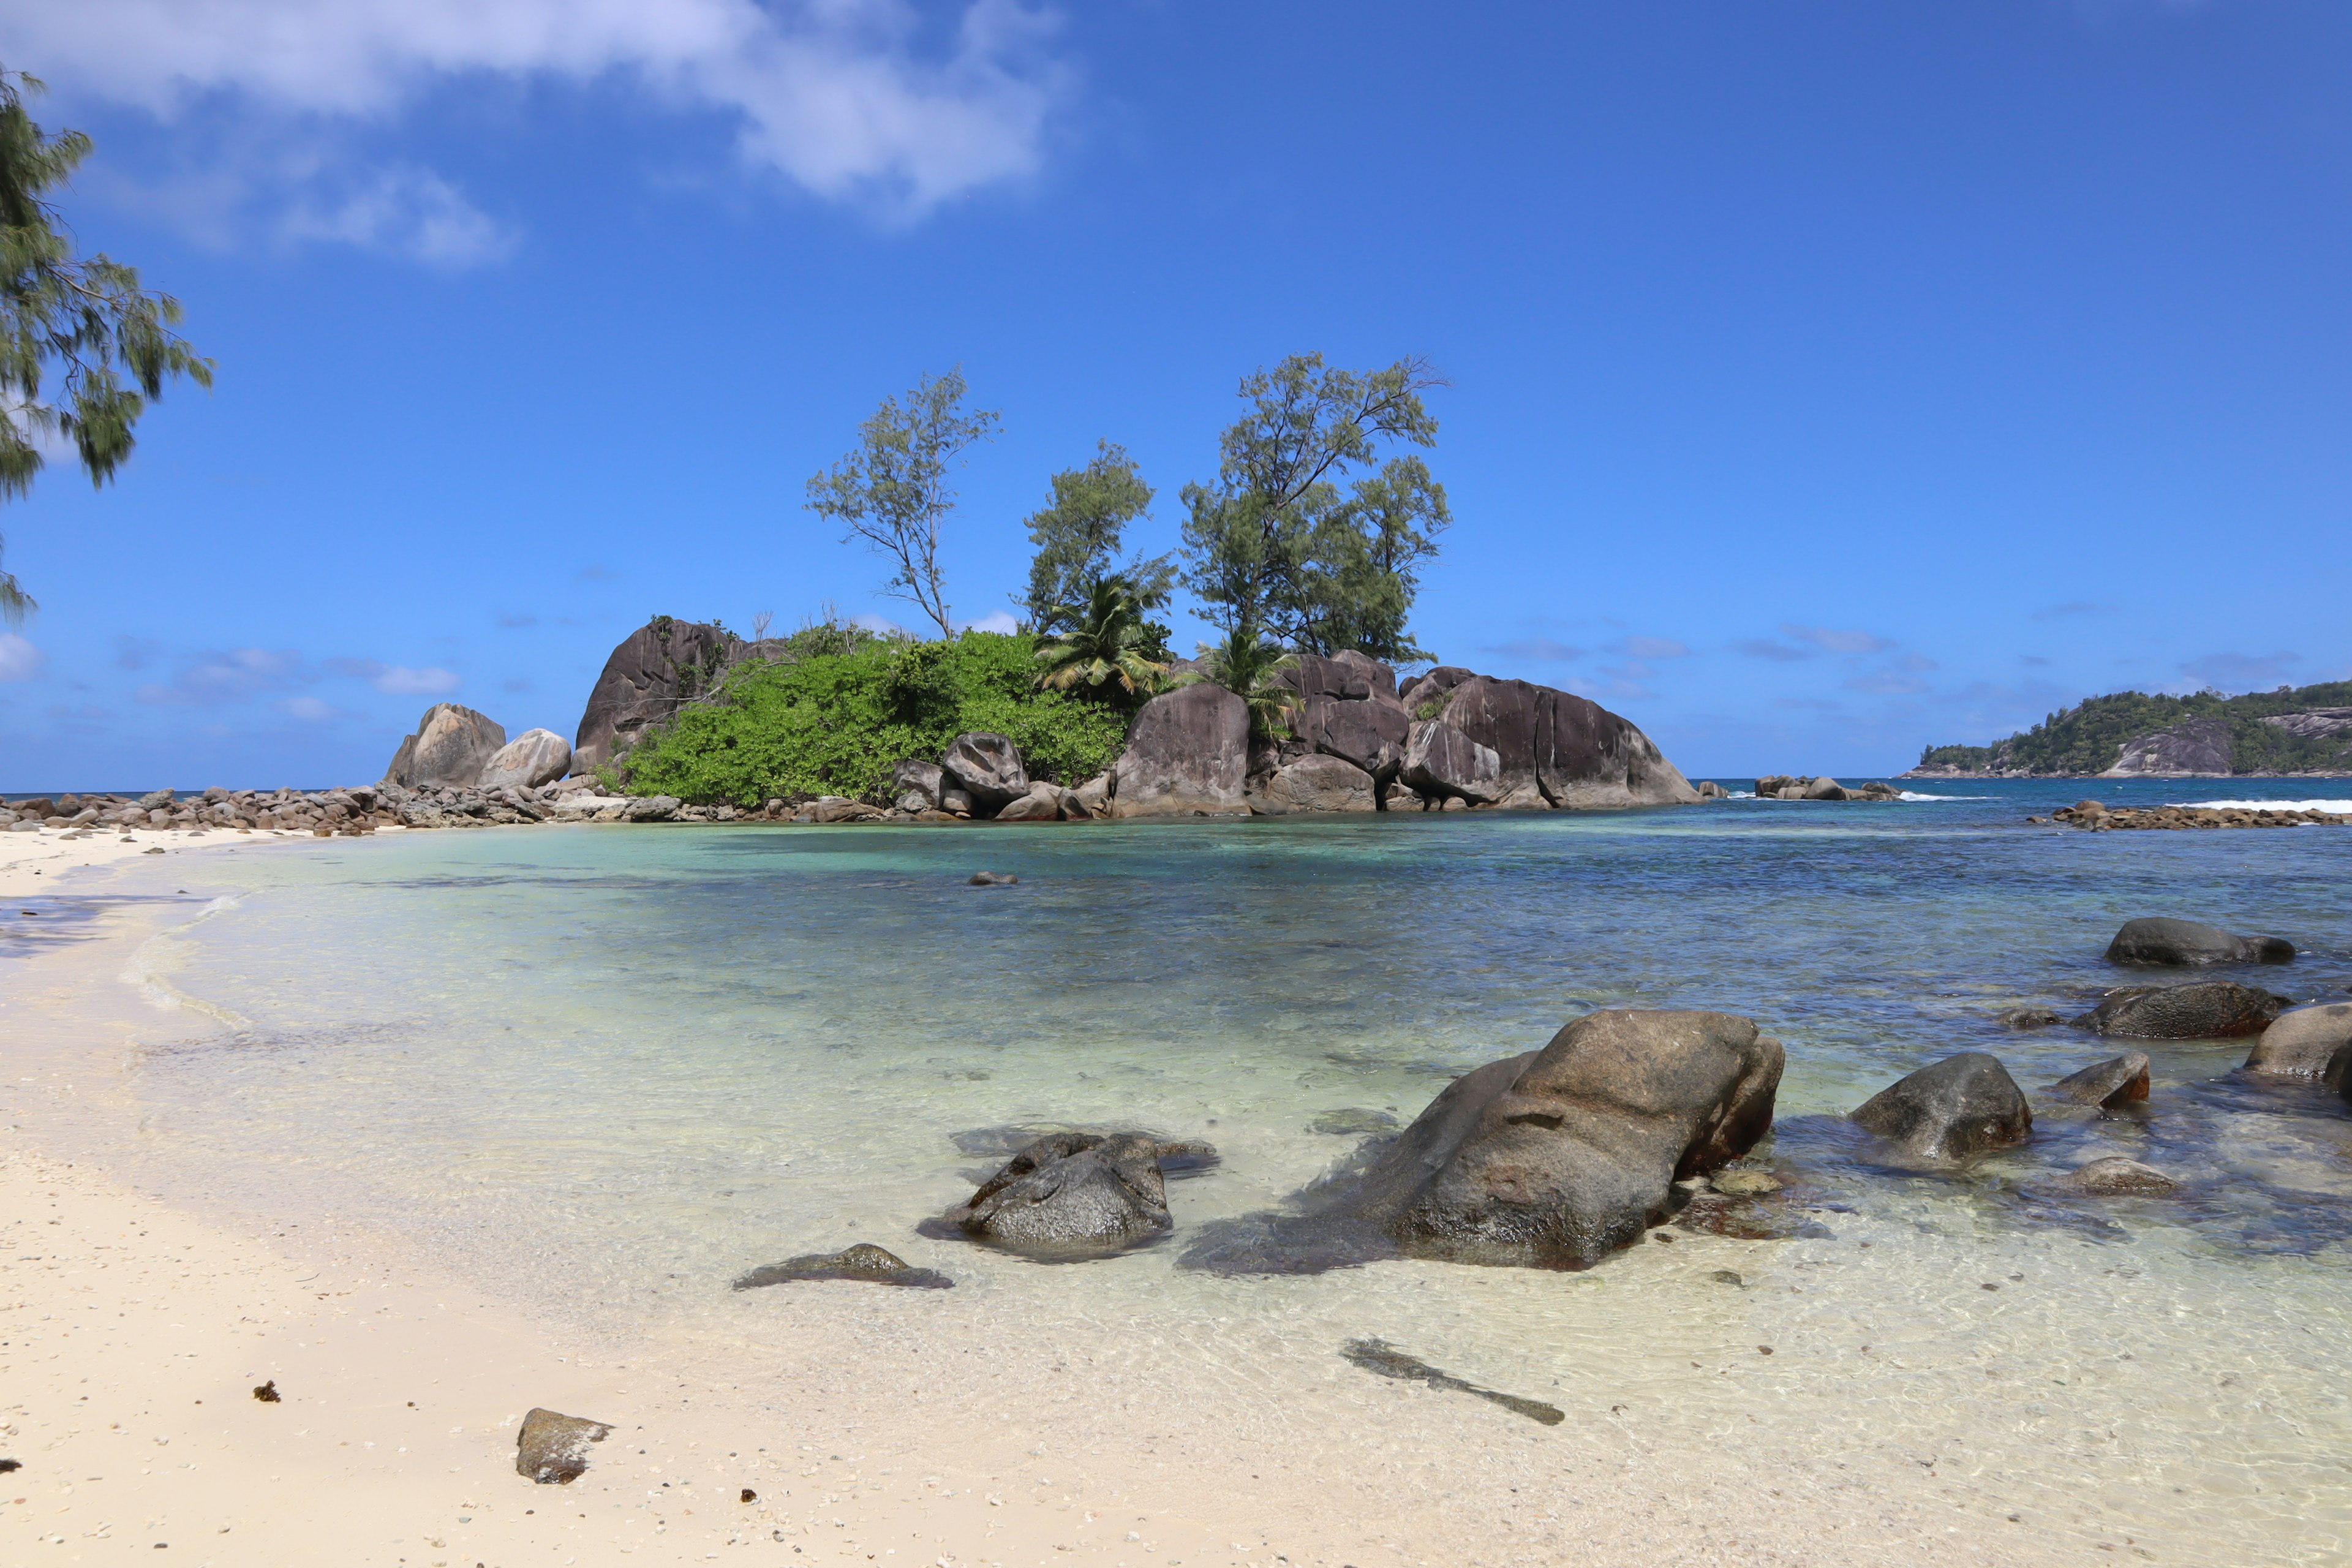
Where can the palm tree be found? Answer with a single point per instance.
(1251, 666)
(1107, 644)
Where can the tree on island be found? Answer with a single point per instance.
(1276, 546)
(108, 342)
(892, 490)
(1252, 665)
(1080, 538)
(1106, 644)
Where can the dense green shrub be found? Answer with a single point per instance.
(2090, 737)
(833, 723)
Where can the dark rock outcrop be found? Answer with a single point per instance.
(552, 1449)
(1962, 1106)
(1070, 1195)
(2208, 1010)
(864, 1262)
(1187, 752)
(2118, 1081)
(1511, 743)
(1555, 1158)
(657, 669)
(2302, 1042)
(451, 746)
(2161, 942)
(1348, 709)
(988, 768)
(2030, 1018)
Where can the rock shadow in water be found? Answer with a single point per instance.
(1384, 1359)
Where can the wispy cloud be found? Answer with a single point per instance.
(1765, 648)
(309, 710)
(1653, 647)
(209, 680)
(2072, 607)
(1547, 650)
(1835, 641)
(2239, 669)
(398, 679)
(408, 212)
(994, 621)
(20, 660)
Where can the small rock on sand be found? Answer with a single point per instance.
(1352, 1122)
(1745, 1183)
(863, 1262)
(552, 1449)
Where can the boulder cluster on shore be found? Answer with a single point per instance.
(2096, 816)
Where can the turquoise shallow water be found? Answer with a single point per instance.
(623, 1064)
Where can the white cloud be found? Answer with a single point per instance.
(1837, 641)
(840, 97)
(399, 680)
(20, 660)
(232, 677)
(403, 211)
(883, 624)
(1655, 647)
(994, 621)
(310, 710)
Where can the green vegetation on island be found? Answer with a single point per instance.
(2091, 737)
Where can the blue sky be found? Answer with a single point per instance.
(1827, 379)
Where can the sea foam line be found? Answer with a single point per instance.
(2338, 807)
(141, 974)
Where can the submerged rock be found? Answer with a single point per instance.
(2159, 940)
(993, 879)
(1070, 1195)
(1384, 1359)
(2115, 1178)
(1556, 1158)
(2302, 1042)
(864, 1262)
(2031, 1018)
(552, 1449)
(1352, 1122)
(1962, 1106)
(2118, 1081)
(2207, 1010)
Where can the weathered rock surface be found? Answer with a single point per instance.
(1511, 743)
(1316, 783)
(864, 1262)
(1348, 709)
(988, 768)
(1093, 795)
(1808, 787)
(2118, 1081)
(1187, 752)
(552, 1449)
(2198, 746)
(657, 669)
(533, 758)
(2115, 1178)
(1962, 1106)
(2093, 816)
(1071, 1194)
(2030, 1018)
(2300, 1043)
(1043, 802)
(451, 746)
(915, 785)
(2159, 941)
(1556, 1158)
(2207, 1010)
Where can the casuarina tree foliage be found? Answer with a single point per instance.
(84, 321)
(1079, 537)
(892, 490)
(1277, 546)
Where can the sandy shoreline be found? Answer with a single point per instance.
(888, 1426)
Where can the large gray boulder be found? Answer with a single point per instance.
(533, 758)
(2301, 1043)
(1070, 1195)
(2207, 1010)
(657, 669)
(1512, 744)
(1315, 784)
(451, 747)
(915, 785)
(1187, 752)
(2185, 944)
(988, 769)
(1556, 1158)
(1962, 1106)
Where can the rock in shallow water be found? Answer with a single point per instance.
(864, 1263)
(1352, 1122)
(2115, 1178)
(1962, 1106)
(2207, 1010)
(552, 1449)
(1070, 1195)
(2183, 943)
(2302, 1042)
(2118, 1081)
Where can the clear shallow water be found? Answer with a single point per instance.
(611, 1067)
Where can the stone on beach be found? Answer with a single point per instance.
(864, 1262)
(915, 785)
(533, 758)
(552, 1449)
(1962, 1106)
(2302, 1041)
(2161, 940)
(451, 747)
(986, 767)
(1558, 1157)
(2207, 1010)
(2118, 1081)
(1069, 1196)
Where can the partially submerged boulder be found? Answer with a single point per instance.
(552, 1449)
(1555, 1158)
(1960, 1106)
(864, 1263)
(531, 759)
(451, 746)
(1070, 1195)
(988, 768)
(2159, 940)
(2207, 1010)
(2118, 1081)
(1316, 783)
(2300, 1043)
(1187, 753)
(2113, 1177)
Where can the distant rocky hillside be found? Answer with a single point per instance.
(2129, 734)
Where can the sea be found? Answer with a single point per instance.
(603, 1070)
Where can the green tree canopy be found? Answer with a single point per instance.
(1080, 538)
(1277, 544)
(1109, 645)
(1251, 666)
(892, 490)
(85, 320)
